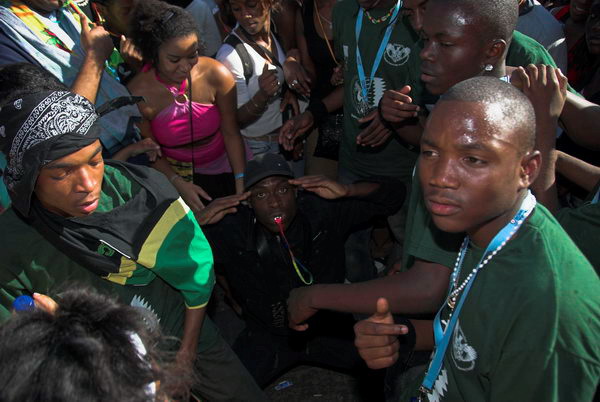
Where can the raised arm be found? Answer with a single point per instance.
(98, 46)
(580, 120)
(546, 88)
(226, 101)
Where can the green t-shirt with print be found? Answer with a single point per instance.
(399, 66)
(528, 330)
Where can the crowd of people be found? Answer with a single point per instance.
(408, 185)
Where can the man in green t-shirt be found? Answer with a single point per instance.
(474, 37)
(522, 313)
(113, 225)
(377, 47)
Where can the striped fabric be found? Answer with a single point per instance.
(175, 250)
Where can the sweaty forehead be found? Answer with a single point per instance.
(470, 123)
(449, 14)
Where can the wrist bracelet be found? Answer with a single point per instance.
(239, 176)
(255, 104)
(172, 178)
(253, 113)
(318, 110)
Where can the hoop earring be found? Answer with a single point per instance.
(488, 67)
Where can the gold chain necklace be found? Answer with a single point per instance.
(319, 16)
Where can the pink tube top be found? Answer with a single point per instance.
(171, 128)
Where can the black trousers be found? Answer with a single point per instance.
(267, 356)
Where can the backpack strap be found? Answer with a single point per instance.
(239, 47)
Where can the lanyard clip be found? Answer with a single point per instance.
(423, 392)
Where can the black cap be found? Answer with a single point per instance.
(263, 166)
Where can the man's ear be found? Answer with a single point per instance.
(530, 168)
(495, 51)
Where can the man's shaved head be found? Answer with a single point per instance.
(497, 18)
(506, 106)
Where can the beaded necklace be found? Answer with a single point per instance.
(457, 289)
(442, 336)
(380, 19)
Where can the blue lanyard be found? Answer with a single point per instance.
(596, 197)
(442, 338)
(382, 45)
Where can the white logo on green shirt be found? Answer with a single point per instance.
(396, 54)
(463, 354)
(363, 106)
(439, 388)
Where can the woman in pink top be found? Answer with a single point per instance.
(190, 105)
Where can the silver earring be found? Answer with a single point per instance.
(488, 67)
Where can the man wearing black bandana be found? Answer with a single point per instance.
(287, 239)
(119, 227)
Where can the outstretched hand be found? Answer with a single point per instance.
(294, 128)
(295, 75)
(322, 186)
(191, 194)
(377, 337)
(397, 106)
(217, 209)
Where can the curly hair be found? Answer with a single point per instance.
(155, 22)
(83, 351)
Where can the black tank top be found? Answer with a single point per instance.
(318, 52)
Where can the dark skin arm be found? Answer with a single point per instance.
(192, 326)
(579, 172)
(226, 100)
(420, 289)
(580, 120)
(217, 209)
(546, 88)
(329, 189)
(285, 20)
(255, 107)
(98, 46)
